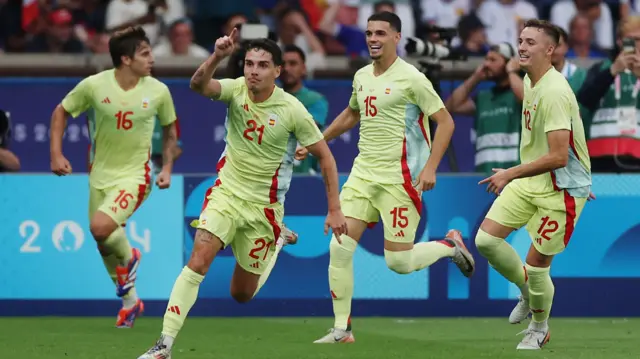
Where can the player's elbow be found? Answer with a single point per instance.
(560, 159)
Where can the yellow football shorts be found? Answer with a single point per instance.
(550, 218)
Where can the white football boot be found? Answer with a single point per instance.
(535, 337)
(336, 335)
(159, 351)
(461, 257)
(520, 312)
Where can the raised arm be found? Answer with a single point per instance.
(202, 81)
(460, 102)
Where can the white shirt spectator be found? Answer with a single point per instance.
(502, 20)
(444, 13)
(120, 12)
(164, 50)
(404, 12)
(563, 11)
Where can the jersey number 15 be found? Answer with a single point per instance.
(370, 109)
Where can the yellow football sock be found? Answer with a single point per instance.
(341, 279)
(183, 296)
(503, 258)
(421, 256)
(118, 244)
(541, 291)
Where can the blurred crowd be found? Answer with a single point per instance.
(319, 27)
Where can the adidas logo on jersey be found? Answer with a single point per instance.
(106, 100)
(399, 234)
(255, 265)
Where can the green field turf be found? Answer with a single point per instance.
(290, 338)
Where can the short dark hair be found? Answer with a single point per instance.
(548, 28)
(563, 35)
(389, 17)
(125, 43)
(378, 4)
(297, 50)
(269, 46)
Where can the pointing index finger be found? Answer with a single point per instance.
(232, 34)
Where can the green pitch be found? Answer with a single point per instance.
(290, 338)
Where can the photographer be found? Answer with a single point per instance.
(611, 116)
(497, 111)
(9, 162)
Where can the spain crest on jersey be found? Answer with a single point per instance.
(145, 103)
(272, 120)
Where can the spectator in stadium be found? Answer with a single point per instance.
(9, 162)
(235, 21)
(58, 37)
(337, 23)
(473, 36)
(581, 39)
(125, 13)
(505, 18)
(11, 33)
(402, 8)
(293, 29)
(89, 17)
(180, 42)
(497, 111)
(210, 16)
(595, 10)
(611, 119)
(294, 72)
(575, 75)
(443, 13)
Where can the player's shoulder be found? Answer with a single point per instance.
(155, 84)
(363, 73)
(99, 79)
(288, 101)
(407, 69)
(556, 85)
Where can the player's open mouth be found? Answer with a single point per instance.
(375, 47)
(523, 56)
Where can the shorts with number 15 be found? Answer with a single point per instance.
(398, 205)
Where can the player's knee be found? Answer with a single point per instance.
(100, 231)
(241, 296)
(198, 263)
(485, 242)
(341, 255)
(399, 261)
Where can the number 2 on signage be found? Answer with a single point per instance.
(527, 119)
(369, 108)
(260, 245)
(28, 246)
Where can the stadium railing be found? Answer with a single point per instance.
(56, 65)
